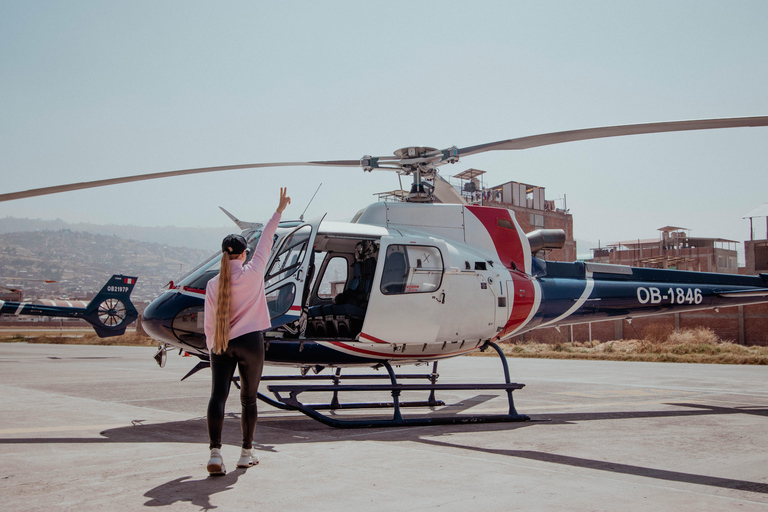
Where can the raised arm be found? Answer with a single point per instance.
(264, 247)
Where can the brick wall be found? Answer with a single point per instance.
(747, 325)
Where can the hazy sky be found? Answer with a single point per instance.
(92, 90)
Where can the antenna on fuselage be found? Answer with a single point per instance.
(301, 217)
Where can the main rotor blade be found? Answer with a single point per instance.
(613, 131)
(142, 177)
(519, 143)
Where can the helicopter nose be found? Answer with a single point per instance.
(158, 318)
(177, 319)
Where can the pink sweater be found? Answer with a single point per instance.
(249, 302)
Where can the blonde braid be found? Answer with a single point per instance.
(223, 305)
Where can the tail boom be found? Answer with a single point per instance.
(574, 293)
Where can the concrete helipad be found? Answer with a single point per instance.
(103, 428)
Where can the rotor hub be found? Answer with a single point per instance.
(416, 152)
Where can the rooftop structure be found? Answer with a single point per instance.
(756, 213)
(674, 249)
(533, 211)
(756, 250)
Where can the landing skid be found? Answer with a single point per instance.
(292, 402)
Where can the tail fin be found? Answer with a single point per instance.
(244, 226)
(111, 310)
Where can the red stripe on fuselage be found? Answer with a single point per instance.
(510, 250)
(524, 294)
(372, 338)
(506, 241)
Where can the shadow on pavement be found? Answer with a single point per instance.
(614, 467)
(196, 492)
(276, 431)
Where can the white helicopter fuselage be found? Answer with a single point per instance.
(458, 287)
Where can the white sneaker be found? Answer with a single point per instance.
(248, 458)
(216, 463)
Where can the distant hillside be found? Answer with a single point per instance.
(81, 263)
(196, 238)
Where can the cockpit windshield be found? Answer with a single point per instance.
(199, 276)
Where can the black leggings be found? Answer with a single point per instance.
(247, 353)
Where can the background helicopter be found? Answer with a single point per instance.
(427, 281)
(110, 312)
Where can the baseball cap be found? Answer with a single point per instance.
(233, 244)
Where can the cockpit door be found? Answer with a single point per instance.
(287, 273)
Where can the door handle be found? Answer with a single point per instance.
(298, 275)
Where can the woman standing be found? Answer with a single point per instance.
(235, 314)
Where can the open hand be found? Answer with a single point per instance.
(284, 200)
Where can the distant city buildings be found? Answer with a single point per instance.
(674, 249)
(75, 265)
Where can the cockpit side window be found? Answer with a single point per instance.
(411, 269)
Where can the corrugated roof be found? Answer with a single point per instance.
(760, 211)
(469, 174)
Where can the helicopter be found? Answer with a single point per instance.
(423, 280)
(110, 312)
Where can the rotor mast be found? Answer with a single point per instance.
(420, 162)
